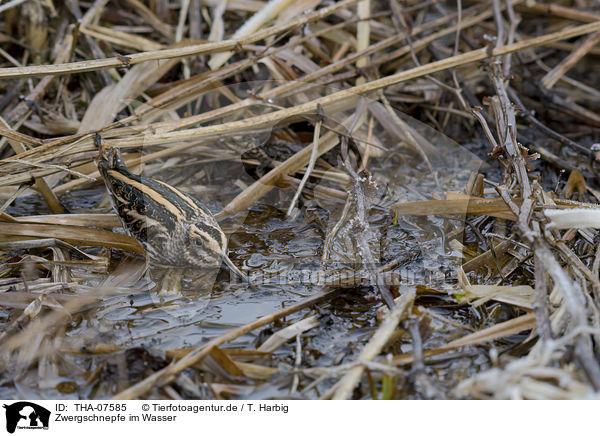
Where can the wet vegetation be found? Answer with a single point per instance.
(412, 187)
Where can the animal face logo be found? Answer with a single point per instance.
(26, 415)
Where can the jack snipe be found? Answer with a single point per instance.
(173, 227)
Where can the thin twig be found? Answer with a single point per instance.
(311, 163)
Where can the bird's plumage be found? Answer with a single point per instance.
(174, 227)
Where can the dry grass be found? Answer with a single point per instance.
(187, 93)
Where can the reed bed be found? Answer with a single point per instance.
(433, 164)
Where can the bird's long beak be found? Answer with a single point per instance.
(235, 269)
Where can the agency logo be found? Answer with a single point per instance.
(26, 415)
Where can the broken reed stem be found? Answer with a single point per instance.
(542, 314)
(311, 164)
(363, 31)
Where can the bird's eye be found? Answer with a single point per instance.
(198, 242)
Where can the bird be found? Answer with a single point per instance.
(174, 228)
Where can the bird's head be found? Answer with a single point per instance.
(206, 244)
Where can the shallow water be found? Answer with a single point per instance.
(267, 245)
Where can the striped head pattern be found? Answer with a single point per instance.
(173, 227)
